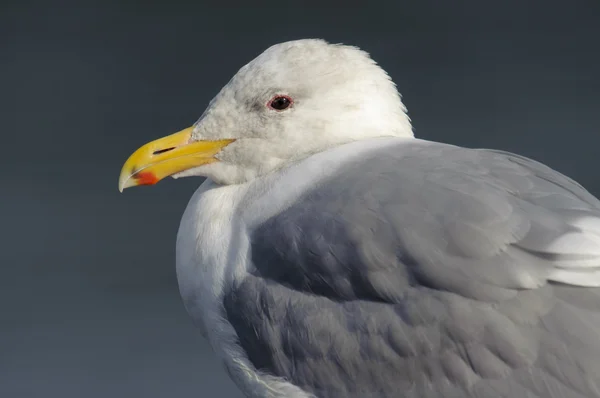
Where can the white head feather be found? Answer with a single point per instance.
(339, 95)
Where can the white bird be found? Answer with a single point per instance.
(329, 253)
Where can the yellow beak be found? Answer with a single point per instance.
(166, 156)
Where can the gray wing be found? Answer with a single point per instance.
(429, 271)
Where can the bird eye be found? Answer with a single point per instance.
(280, 102)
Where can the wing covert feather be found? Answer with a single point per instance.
(429, 269)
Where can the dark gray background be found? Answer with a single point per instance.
(89, 304)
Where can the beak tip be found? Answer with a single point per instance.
(124, 181)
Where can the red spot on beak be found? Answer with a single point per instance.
(145, 178)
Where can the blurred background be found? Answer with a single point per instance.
(89, 305)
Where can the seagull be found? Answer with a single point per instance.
(329, 253)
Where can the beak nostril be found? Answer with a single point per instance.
(158, 152)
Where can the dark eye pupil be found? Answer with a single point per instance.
(280, 103)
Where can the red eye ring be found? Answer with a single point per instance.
(280, 102)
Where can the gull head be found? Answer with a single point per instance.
(295, 99)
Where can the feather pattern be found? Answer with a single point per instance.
(427, 270)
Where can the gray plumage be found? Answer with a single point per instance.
(427, 270)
